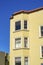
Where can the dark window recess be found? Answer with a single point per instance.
(25, 42)
(41, 30)
(17, 25)
(41, 63)
(25, 24)
(26, 61)
(42, 51)
(18, 61)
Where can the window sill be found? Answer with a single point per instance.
(21, 48)
(20, 30)
(41, 58)
(41, 37)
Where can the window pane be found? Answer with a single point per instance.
(18, 43)
(26, 61)
(25, 42)
(18, 61)
(25, 24)
(17, 25)
(41, 63)
(42, 51)
(41, 30)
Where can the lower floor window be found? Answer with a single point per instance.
(26, 61)
(18, 61)
(41, 51)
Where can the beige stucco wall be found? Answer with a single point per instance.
(34, 20)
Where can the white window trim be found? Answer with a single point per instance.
(40, 53)
(39, 31)
(28, 42)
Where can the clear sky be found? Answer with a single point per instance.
(7, 7)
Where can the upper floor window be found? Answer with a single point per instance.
(25, 42)
(25, 24)
(41, 63)
(26, 61)
(41, 51)
(18, 25)
(18, 43)
(41, 30)
(18, 61)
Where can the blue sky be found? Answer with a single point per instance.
(7, 7)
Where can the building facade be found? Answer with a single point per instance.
(4, 58)
(26, 37)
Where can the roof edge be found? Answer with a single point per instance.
(26, 11)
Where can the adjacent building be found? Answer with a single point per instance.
(26, 37)
(4, 60)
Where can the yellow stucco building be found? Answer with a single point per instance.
(26, 37)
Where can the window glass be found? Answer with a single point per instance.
(25, 42)
(18, 43)
(41, 30)
(25, 24)
(41, 63)
(18, 61)
(26, 61)
(42, 50)
(17, 25)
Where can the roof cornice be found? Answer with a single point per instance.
(26, 11)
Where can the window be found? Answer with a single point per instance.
(41, 30)
(41, 51)
(41, 63)
(18, 61)
(25, 42)
(18, 43)
(26, 61)
(17, 25)
(25, 24)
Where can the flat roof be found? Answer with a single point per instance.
(26, 11)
